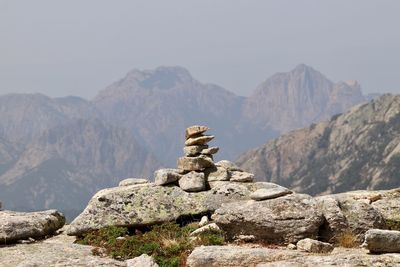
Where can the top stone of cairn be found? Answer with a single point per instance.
(195, 130)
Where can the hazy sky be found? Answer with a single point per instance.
(78, 47)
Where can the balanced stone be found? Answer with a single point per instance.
(210, 151)
(200, 140)
(264, 193)
(194, 163)
(195, 130)
(193, 182)
(243, 177)
(230, 166)
(216, 173)
(166, 176)
(191, 151)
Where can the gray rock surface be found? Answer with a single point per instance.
(57, 251)
(140, 205)
(239, 176)
(281, 220)
(143, 260)
(314, 246)
(132, 181)
(382, 241)
(166, 176)
(190, 151)
(234, 256)
(194, 163)
(200, 140)
(193, 182)
(216, 173)
(23, 225)
(195, 130)
(274, 192)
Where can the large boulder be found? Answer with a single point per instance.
(147, 204)
(286, 219)
(382, 241)
(349, 213)
(23, 225)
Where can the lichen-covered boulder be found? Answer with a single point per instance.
(147, 204)
(285, 219)
(23, 225)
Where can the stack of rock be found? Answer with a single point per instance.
(198, 157)
(196, 169)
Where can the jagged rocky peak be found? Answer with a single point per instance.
(356, 150)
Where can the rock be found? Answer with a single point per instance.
(216, 173)
(142, 261)
(281, 220)
(264, 193)
(143, 205)
(204, 220)
(210, 256)
(24, 225)
(230, 166)
(194, 163)
(195, 130)
(291, 246)
(382, 241)
(210, 151)
(132, 181)
(200, 140)
(166, 176)
(58, 250)
(238, 176)
(389, 205)
(351, 215)
(206, 228)
(244, 238)
(193, 182)
(191, 151)
(314, 246)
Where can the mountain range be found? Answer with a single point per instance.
(359, 149)
(55, 152)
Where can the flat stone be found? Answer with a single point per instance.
(229, 165)
(143, 260)
(281, 220)
(382, 241)
(194, 163)
(314, 246)
(239, 176)
(24, 225)
(166, 176)
(193, 182)
(264, 193)
(216, 173)
(195, 130)
(191, 151)
(210, 151)
(133, 181)
(206, 228)
(200, 140)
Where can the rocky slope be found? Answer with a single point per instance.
(68, 163)
(357, 150)
(297, 98)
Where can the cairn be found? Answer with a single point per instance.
(196, 169)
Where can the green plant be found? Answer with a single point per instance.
(393, 224)
(168, 243)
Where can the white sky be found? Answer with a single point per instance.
(78, 47)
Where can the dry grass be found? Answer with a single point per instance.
(347, 240)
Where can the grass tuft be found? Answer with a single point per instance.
(169, 243)
(347, 240)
